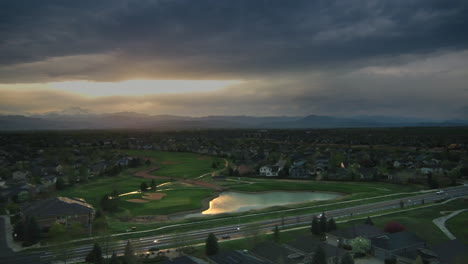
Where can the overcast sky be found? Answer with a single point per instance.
(240, 57)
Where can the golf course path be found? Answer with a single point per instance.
(440, 223)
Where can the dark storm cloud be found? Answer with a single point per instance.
(185, 38)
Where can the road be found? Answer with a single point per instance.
(145, 243)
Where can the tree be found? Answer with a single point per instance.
(315, 227)
(114, 259)
(33, 231)
(211, 246)
(323, 223)
(369, 221)
(276, 234)
(129, 254)
(95, 255)
(319, 256)
(57, 232)
(143, 186)
(153, 185)
(394, 227)
(331, 225)
(360, 245)
(347, 259)
(418, 260)
(60, 184)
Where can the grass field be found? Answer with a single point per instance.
(420, 222)
(458, 225)
(176, 200)
(94, 189)
(354, 188)
(179, 164)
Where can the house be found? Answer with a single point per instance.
(18, 193)
(20, 175)
(270, 171)
(59, 209)
(236, 256)
(298, 170)
(184, 260)
(307, 245)
(277, 253)
(345, 235)
(392, 245)
(451, 251)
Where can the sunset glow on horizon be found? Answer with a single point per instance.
(140, 87)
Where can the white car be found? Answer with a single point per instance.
(440, 192)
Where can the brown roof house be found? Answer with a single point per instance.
(60, 209)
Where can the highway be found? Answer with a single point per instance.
(144, 244)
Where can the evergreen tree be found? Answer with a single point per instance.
(331, 225)
(323, 223)
(129, 254)
(419, 260)
(153, 185)
(143, 186)
(33, 231)
(60, 184)
(315, 227)
(114, 259)
(369, 221)
(319, 256)
(211, 246)
(347, 259)
(95, 255)
(276, 234)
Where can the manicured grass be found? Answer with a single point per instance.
(176, 200)
(96, 188)
(419, 221)
(458, 225)
(376, 188)
(179, 164)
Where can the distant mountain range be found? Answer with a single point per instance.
(77, 118)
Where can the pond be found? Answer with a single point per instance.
(235, 202)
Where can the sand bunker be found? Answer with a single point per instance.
(137, 201)
(154, 196)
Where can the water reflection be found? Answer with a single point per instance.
(229, 202)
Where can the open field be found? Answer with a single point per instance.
(458, 225)
(179, 164)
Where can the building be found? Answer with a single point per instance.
(345, 235)
(298, 170)
(59, 210)
(396, 244)
(270, 171)
(236, 256)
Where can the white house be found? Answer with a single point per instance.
(270, 171)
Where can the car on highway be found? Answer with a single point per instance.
(440, 192)
(226, 237)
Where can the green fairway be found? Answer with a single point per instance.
(95, 189)
(180, 164)
(458, 226)
(176, 200)
(374, 189)
(419, 221)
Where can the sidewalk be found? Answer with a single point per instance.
(440, 223)
(8, 234)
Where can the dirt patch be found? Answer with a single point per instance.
(150, 218)
(137, 201)
(203, 158)
(153, 196)
(168, 162)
